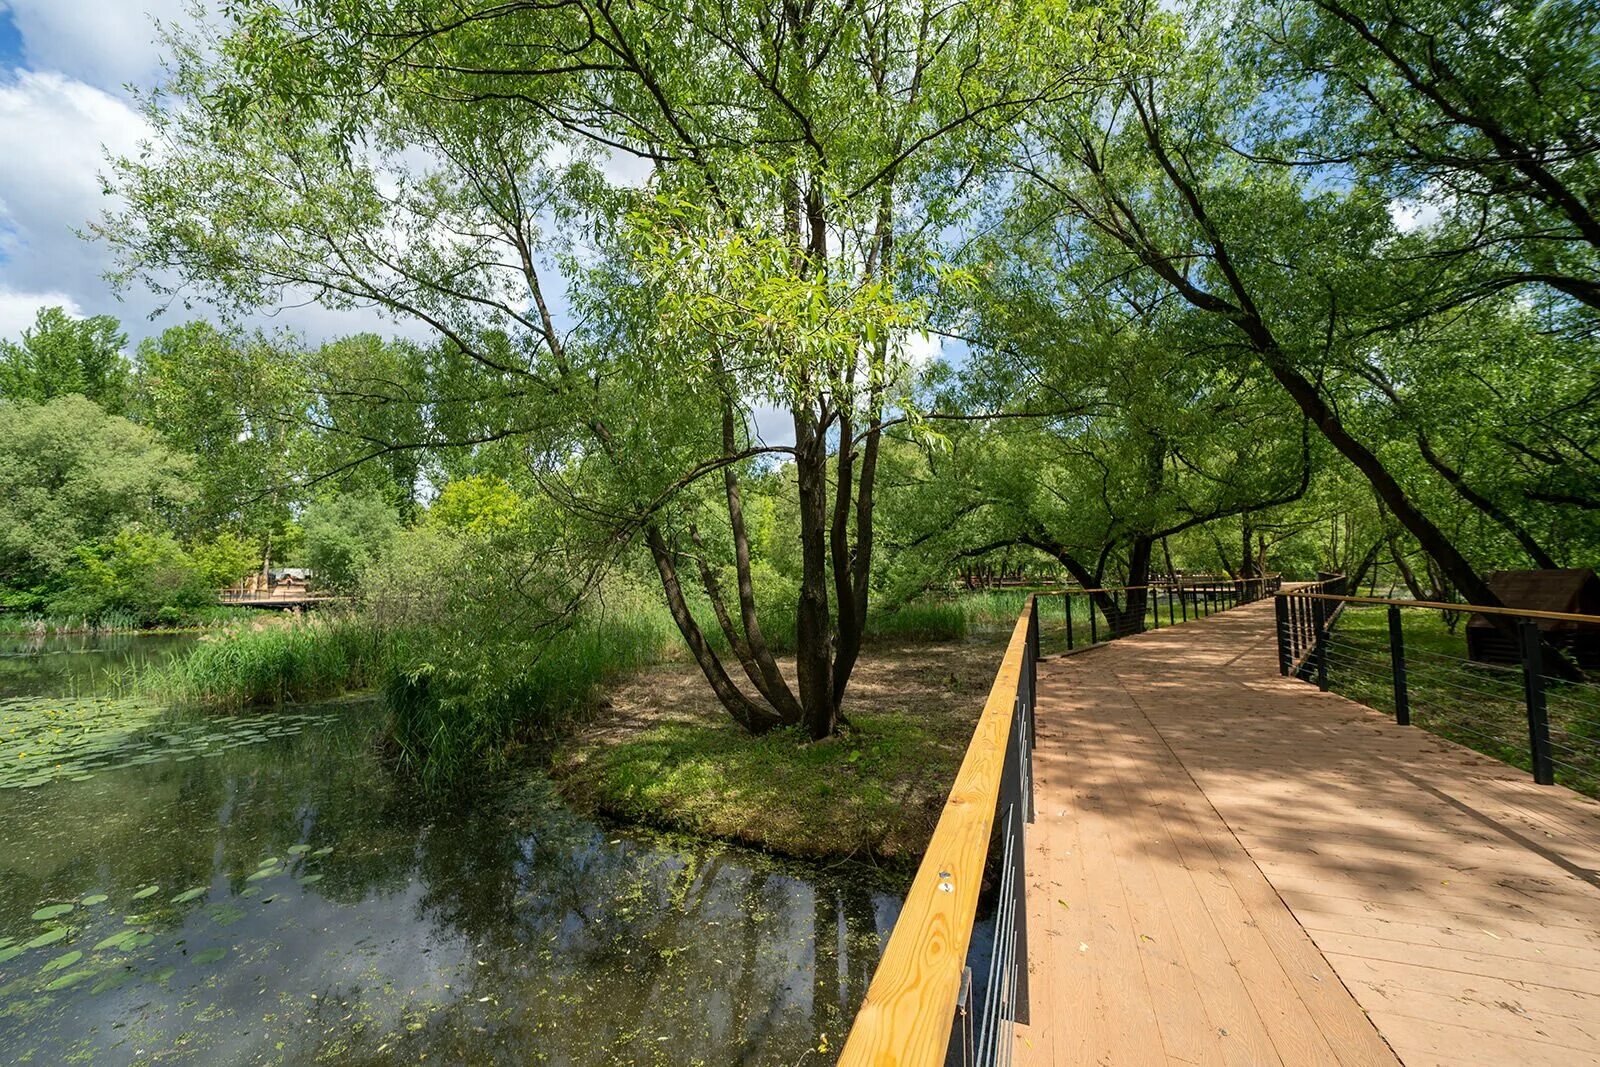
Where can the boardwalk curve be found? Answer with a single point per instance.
(1228, 866)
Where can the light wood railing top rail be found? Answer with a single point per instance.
(909, 1009)
(1471, 609)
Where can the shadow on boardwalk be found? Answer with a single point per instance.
(1232, 867)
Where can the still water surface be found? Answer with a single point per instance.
(183, 888)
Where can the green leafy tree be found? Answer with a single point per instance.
(72, 474)
(142, 572)
(798, 158)
(62, 355)
(342, 534)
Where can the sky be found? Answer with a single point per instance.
(65, 69)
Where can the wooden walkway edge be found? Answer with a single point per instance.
(1232, 867)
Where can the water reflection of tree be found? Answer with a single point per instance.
(575, 945)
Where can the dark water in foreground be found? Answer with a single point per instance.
(262, 889)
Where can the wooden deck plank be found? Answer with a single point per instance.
(1316, 883)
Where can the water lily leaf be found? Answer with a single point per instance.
(147, 891)
(163, 974)
(54, 911)
(211, 955)
(49, 937)
(62, 962)
(112, 981)
(299, 850)
(97, 898)
(117, 940)
(226, 914)
(310, 879)
(265, 872)
(12, 953)
(270, 861)
(325, 851)
(69, 979)
(190, 894)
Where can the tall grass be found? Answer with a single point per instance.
(299, 661)
(456, 710)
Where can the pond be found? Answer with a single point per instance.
(262, 888)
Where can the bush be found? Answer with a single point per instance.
(147, 575)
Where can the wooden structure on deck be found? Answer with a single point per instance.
(1568, 591)
(1228, 866)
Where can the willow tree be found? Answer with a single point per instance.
(629, 224)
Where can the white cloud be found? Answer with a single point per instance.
(52, 129)
(107, 43)
(1409, 215)
(18, 310)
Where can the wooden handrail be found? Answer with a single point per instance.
(909, 1010)
(1471, 609)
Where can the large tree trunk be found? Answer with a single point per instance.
(813, 629)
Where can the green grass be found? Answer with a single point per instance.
(206, 617)
(1481, 706)
(873, 793)
(304, 660)
(455, 709)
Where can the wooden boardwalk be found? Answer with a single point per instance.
(1231, 867)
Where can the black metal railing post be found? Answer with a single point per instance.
(1172, 609)
(1067, 599)
(1183, 601)
(1544, 771)
(1094, 627)
(1319, 649)
(1155, 607)
(1397, 663)
(1280, 609)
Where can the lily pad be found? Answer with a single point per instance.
(270, 861)
(117, 940)
(211, 955)
(310, 879)
(265, 872)
(324, 851)
(49, 937)
(54, 911)
(62, 962)
(70, 979)
(147, 891)
(299, 850)
(112, 981)
(12, 953)
(190, 894)
(98, 898)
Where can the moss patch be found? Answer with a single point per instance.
(665, 754)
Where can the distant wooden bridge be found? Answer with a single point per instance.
(1226, 865)
(282, 602)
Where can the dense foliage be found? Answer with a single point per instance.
(1224, 286)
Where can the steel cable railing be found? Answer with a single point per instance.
(1539, 712)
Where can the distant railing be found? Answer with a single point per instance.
(1522, 696)
(923, 1006)
(1186, 597)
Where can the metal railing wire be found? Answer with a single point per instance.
(1178, 599)
(1525, 712)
